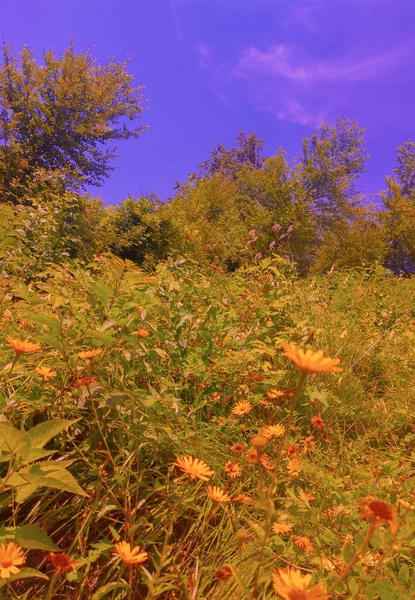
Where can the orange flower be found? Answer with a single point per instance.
(194, 467)
(242, 499)
(141, 332)
(318, 422)
(237, 448)
(309, 444)
(294, 466)
(282, 527)
(270, 431)
(291, 584)
(62, 562)
(89, 353)
(266, 462)
(130, 556)
(251, 456)
(274, 394)
(224, 573)
(23, 347)
(304, 543)
(215, 396)
(384, 513)
(292, 450)
(265, 403)
(11, 556)
(233, 469)
(216, 494)
(310, 362)
(242, 408)
(45, 372)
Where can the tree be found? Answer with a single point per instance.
(332, 159)
(399, 220)
(230, 162)
(60, 116)
(406, 170)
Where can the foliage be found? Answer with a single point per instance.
(229, 162)
(406, 167)
(58, 117)
(332, 159)
(146, 369)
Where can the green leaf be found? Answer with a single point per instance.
(28, 536)
(12, 440)
(40, 435)
(110, 587)
(24, 574)
(47, 320)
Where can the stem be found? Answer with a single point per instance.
(53, 580)
(356, 555)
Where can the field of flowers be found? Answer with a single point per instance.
(198, 435)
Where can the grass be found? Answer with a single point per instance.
(178, 350)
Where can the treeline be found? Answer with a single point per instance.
(58, 120)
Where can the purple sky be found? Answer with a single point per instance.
(211, 67)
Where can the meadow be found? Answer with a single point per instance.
(164, 436)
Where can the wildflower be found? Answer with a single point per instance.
(348, 539)
(274, 394)
(224, 573)
(242, 408)
(265, 403)
(89, 353)
(266, 462)
(45, 372)
(294, 466)
(233, 469)
(309, 444)
(310, 362)
(384, 513)
(194, 467)
(216, 494)
(23, 347)
(242, 499)
(270, 431)
(252, 456)
(10, 556)
(62, 562)
(130, 556)
(292, 450)
(282, 527)
(309, 496)
(141, 332)
(318, 422)
(215, 396)
(291, 584)
(237, 448)
(304, 543)
(259, 442)
(406, 505)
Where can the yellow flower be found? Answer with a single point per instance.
(194, 467)
(310, 362)
(10, 556)
(242, 408)
(282, 527)
(216, 494)
(294, 466)
(141, 332)
(266, 462)
(291, 584)
(23, 347)
(89, 353)
(45, 372)
(270, 431)
(130, 556)
(304, 543)
(233, 469)
(274, 394)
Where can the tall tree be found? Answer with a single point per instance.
(332, 160)
(229, 162)
(406, 167)
(60, 117)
